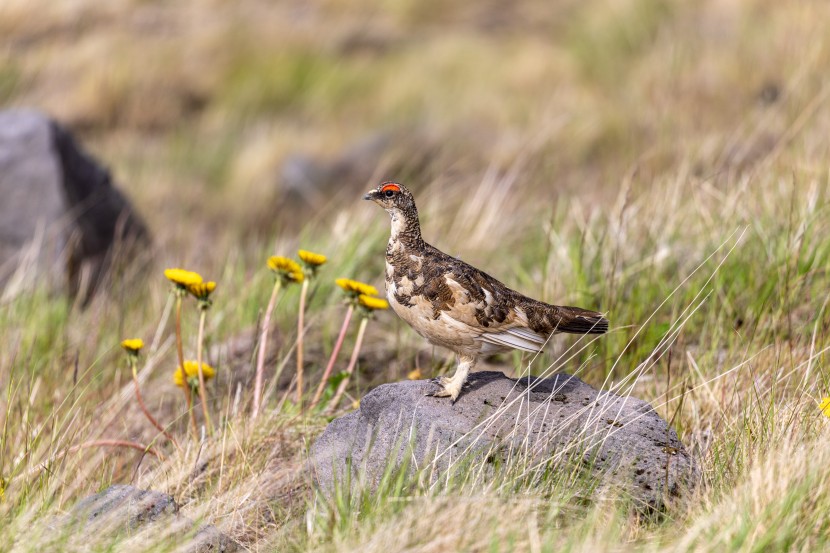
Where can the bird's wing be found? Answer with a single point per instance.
(484, 307)
(474, 303)
(478, 303)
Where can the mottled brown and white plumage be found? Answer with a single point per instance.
(454, 305)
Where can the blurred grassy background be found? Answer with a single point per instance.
(197, 105)
(523, 129)
(587, 152)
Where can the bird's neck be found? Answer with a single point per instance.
(406, 228)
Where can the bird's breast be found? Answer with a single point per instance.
(418, 313)
(409, 297)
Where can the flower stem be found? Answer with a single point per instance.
(300, 329)
(180, 351)
(334, 353)
(263, 340)
(146, 411)
(350, 369)
(202, 389)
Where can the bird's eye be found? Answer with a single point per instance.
(389, 193)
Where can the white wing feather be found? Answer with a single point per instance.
(516, 338)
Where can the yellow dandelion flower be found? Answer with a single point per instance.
(355, 287)
(191, 373)
(182, 278)
(280, 264)
(371, 303)
(343, 283)
(286, 269)
(202, 290)
(415, 374)
(133, 345)
(824, 406)
(312, 259)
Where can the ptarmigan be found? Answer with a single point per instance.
(454, 305)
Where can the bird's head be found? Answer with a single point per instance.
(393, 197)
(400, 205)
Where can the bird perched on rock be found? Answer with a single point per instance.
(454, 305)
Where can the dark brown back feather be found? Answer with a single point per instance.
(543, 318)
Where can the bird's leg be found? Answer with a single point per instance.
(451, 387)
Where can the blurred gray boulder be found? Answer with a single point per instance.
(554, 424)
(61, 218)
(389, 154)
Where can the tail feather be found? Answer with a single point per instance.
(574, 320)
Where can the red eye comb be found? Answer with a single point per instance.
(391, 186)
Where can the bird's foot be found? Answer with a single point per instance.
(449, 387)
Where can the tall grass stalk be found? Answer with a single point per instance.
(263, 346)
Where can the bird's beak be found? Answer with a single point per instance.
(371, 195)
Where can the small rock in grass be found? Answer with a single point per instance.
(122, 512)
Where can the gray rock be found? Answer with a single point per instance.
(555, 421)
(30, 185)
(390, 154)
(122, 510)
(124, 506)
(61, 218)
